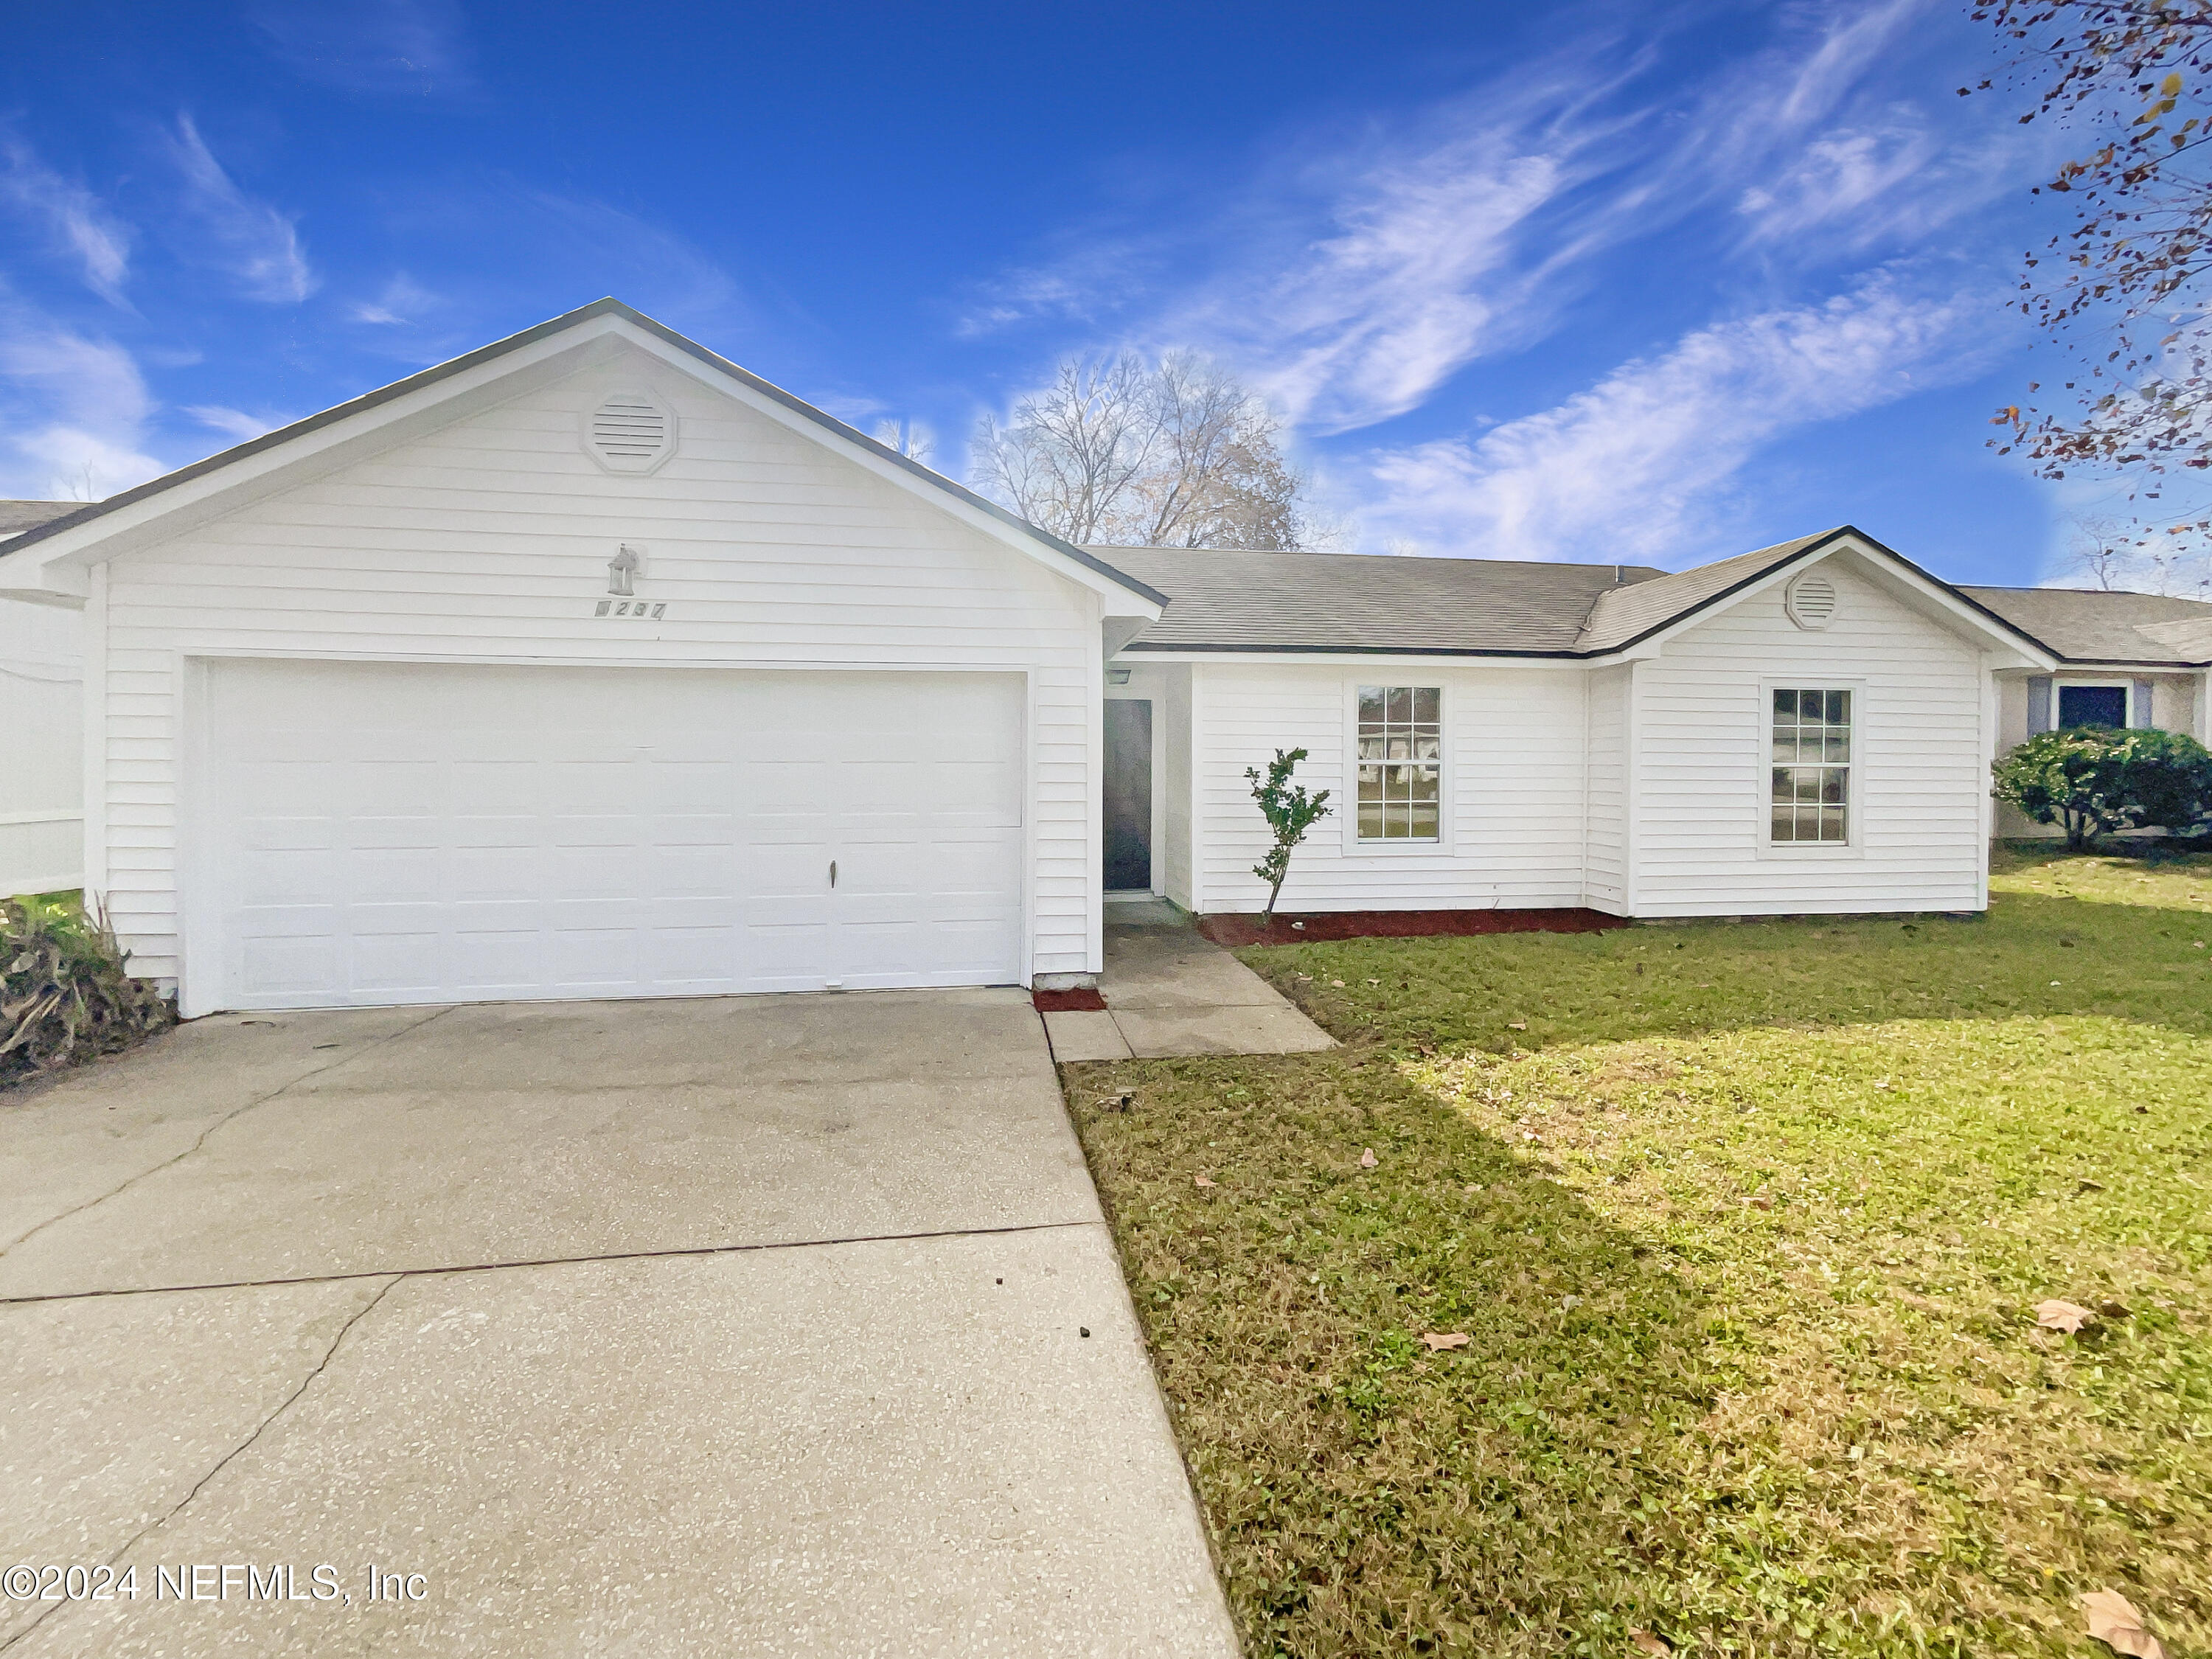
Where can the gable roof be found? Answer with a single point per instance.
(76, 516)
(1625, 614)
(2146, 630)
(1222, 600)
(1385, 604)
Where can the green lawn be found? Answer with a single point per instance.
(1745, 1225)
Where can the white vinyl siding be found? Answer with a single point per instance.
(1703, 742)
(1605, 864)
(489, 540)
(1513, 776)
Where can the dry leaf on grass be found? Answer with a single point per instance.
(1367, 1159)
(1439, 1341)
(1644, 1642)
(2114, 1621)
(1516, 1024)
(2056, 1316)
(1201, 1181)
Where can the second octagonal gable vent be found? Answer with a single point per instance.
(1811, 600)
(631, 432)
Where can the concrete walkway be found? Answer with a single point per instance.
(1171, 992)
(750, 1326)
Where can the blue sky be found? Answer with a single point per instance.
(1604, 281)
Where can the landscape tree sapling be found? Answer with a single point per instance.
(1290, 811)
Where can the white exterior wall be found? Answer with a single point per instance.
(1702, 752)
(1175, 856)
(489, 541)
(41, 749)
(1607, 788)
(1512, 783)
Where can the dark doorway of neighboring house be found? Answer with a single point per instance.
(1129, 795)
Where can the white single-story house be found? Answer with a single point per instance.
(590, 665)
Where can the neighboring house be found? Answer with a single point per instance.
(2137, 660)
(41, 730)
(590, 665)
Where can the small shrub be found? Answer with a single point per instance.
(1290, 811)
(2098, 780)
(66, 992)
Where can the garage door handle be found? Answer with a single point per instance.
(833, 873)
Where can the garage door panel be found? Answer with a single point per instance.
(390, 832)
(490, 962)
(298, 971)
(414, 874)
(601, 960)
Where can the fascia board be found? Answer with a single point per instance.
(1138, 652)
(2125, 666)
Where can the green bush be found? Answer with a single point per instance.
(66, 992)
(2098, 780)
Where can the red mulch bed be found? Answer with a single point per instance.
(1234, 931)
(1067, 1002)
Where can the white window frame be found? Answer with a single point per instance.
(1354, 846)
(1853, 845)
(2062, 682)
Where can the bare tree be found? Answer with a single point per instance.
(908, 438)
(2118, 555)
(1174, 454)
(2099, 550)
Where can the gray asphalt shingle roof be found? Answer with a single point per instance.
(16, 517)
(1629, 613)
(1225, 600)
(2088, 625)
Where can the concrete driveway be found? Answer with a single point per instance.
(745, 1326)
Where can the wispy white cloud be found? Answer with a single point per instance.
(1372, 269)
(403, 303)
(76, 408)
(79, 225)
(379, 48)
(1632, 467)
(257, 245)
(1422, 274)
(233, 423)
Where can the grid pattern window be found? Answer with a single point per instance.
(1400, 761)
(1812, 795)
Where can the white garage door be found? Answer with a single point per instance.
(395, 833)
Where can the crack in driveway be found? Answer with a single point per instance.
(131, 1181)
(228, 1457)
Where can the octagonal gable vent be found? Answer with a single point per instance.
(1810, 600)
(631, 432)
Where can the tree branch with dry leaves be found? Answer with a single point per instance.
(2123, 289)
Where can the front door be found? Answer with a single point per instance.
(1129, 795)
